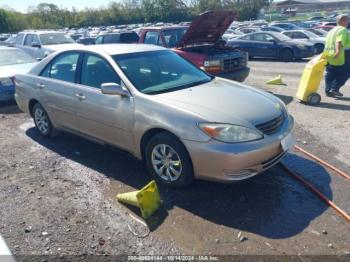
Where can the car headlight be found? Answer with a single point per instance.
(6, 82)
(230, 133)
(209, 63)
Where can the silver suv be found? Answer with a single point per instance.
(39, 44)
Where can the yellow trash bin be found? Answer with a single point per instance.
(310, 81)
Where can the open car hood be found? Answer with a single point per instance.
(207, 28)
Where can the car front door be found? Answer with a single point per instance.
(57, 88)
(264, 45)
(32, 46)
(106, 117)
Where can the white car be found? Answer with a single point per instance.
(309, 37)
(40, 44)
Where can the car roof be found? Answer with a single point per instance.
(119, 32)
(166, 27)
(41, 32)
(118, 49)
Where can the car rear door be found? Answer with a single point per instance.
(106, 117)
(57, 89)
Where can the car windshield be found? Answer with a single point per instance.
(173, 36)
(311, 34)
(55, 39)
(315, 31)
(281, 37)
(160, 71)
(14, 56)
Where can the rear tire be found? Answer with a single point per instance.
(286, 55)
(168, 161)
(42, 121)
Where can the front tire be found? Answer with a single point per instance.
(42, 121)
(286, 55)
(168, 161)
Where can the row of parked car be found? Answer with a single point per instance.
(213, 42)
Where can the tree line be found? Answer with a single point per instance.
(50, 16)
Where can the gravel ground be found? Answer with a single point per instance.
(58, 195)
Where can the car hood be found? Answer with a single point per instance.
(207, 28)
(61, 47)
(11, 70)
(223, 101)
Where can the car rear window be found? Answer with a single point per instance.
(129, 38)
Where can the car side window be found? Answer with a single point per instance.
(96, 71)
(29, 39)
(19, 39)
(35, 39)
(152, 38)
(98, 40)
(258, 37)
(268, 38)
(300, 35)
(62, 67)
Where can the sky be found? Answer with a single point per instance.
(22, 5)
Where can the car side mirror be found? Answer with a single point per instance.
(36, 44)
(113, 89)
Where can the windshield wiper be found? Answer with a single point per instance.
(176, 88)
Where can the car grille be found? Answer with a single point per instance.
(271, 126)
(232, 63)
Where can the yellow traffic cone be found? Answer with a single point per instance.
(147, 199)
(275, 81)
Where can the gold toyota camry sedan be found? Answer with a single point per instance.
(149, 101)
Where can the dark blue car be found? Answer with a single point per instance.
(272, 45)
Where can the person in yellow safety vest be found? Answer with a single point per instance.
(337, 53)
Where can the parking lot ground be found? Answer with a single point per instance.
(58, 195)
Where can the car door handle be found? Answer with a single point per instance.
(80, 96)
(40, 86)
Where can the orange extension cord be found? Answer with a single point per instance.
(314, 189)
(339, 172)
(317, 192)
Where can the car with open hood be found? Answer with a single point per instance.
(202, 44)
(151, 102)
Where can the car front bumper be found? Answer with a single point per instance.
(226, 162)
(240, 75)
